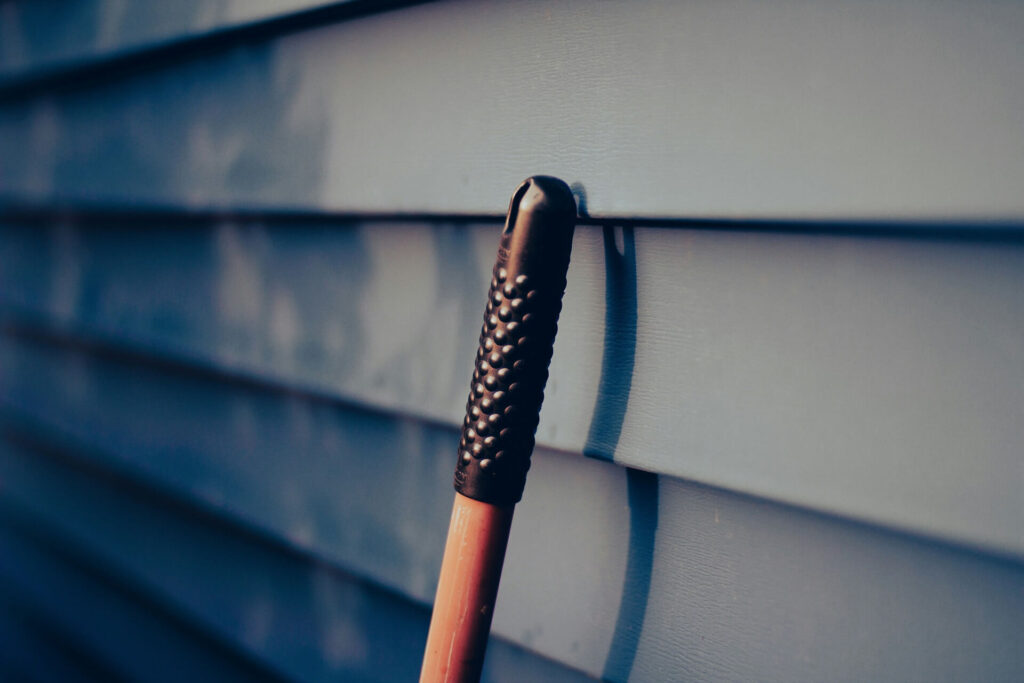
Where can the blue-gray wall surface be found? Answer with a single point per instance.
(244, 247)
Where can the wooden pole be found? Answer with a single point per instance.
(467, 588)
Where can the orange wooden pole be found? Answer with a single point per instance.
(466, 591)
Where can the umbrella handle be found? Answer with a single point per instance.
(502, 413)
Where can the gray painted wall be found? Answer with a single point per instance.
(640, 572)
(630, 571)
(43, 36)
(881, 378)
(828, 109)
(803, 437)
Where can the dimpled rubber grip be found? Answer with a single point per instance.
(516, 342)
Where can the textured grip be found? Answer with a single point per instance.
(516, 341)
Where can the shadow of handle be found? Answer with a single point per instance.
(602, 440)
(619, 345)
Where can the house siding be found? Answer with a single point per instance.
(240, 288)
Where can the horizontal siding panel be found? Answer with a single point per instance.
(33, 650)
(715, 586)
(878, 378)
(299, 468)
(45, 36)
(909, 109)
(102, 618)
(311, 474)
(295, 615)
